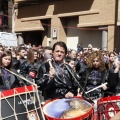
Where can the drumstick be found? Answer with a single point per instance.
(21, 77)
(96, 87)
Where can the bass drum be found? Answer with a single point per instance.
(54, 109)
(108, 107)
(20, 104)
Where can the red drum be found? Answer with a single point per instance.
(20, 104)
(53, 109)
(108, 107)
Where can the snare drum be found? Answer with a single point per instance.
(20, 104)
(54, 108)
(108, 107)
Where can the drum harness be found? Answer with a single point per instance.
(90, 100)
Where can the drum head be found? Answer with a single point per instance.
(55, 108)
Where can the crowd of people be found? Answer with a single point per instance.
(59, 72)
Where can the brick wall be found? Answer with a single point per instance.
(90, 13)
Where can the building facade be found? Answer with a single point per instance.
(93, 22)
(6, 15)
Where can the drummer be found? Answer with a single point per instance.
(95, 74)
(56, 79)
(7, 80)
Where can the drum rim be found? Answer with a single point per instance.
(82, 116)
(107, 99)
(20, 90)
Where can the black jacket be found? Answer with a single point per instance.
(62, 82)
(94, 78)
(112, 79)
(25, 69)
(8, 80)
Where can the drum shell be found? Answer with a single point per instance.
(107, 107)
(19, 103)
(87, 116)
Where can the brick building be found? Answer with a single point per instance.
(71, 21)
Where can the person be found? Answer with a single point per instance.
(15, 62)
(95, 74)
(27, 68)
(79, 47)
(7, 80)
(36, 58)
(21, 52)
(20, 57)
(73, 54)
(71, 62)
(113, 76)
(56, 80)
(47, 51)
(90, 48)
(43, 54)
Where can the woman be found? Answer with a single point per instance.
(112, 73)
(95, 74)
(36, 58)
(7, 80)
(27, 68)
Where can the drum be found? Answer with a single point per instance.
(108, 107)
(20, 104)
(54, 109)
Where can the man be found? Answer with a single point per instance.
(73, 54)
(56, 78)
(20, 58)
(21, 52)
(47, 50)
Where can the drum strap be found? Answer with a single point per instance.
(79, 85)
(87, 74)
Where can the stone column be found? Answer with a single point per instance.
(111, 37)
(104, 40)
(20, 39)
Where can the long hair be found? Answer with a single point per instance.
(4, 54)
(91, 58)
(38, 58)
(109, 63)
(30, 56)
